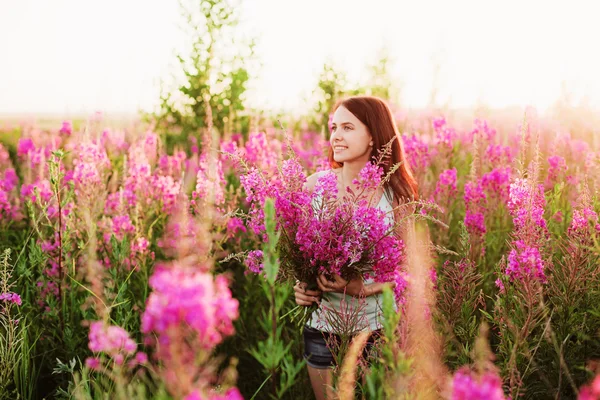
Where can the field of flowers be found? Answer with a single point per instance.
(123, 271)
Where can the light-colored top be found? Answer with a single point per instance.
(362, 314)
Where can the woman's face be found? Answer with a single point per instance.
(350, 138)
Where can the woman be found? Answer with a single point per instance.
(360, 129)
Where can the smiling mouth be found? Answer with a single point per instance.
(339, 148)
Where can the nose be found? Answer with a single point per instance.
(335, 136)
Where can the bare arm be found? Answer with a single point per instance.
(354, 287)
(373, 289)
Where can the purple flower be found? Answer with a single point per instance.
(525, 262)
(557, 169)
(231, 394)
(10, 297)
(496, 154)
(185, 298)
(466, 387)
(235, 225)
(445, 135)
(369, 178)
(254, 261)
(66, 128)
(591, 391)
(24, 146)
(475, 204)
(475, 223)
(92, 363)
(326, 187)
(496, 183)
(260, 152)
(526, 205)
(581, 221)
(416, 151)
(111, 340)
(446, 184)
(482, 128)
(209, 181)
(500, 285)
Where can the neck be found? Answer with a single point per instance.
(350, 171)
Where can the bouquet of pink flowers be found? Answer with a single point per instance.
(323, 233)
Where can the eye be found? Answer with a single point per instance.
(349, 128)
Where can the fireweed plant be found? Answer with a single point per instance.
(188, 313)
(13, 334)
(90, 213)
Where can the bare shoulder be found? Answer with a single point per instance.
(311, 181)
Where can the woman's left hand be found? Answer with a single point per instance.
(355, 287)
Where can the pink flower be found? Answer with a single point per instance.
(235, 225)
(140, 246)
(254, 261)
(112, 340)
(210, 181)
(260, 152)
(526, 205)
(92, 363)
(24, 146)
(231, 394)
(66, 128)
(184, 298)
(467, 387)
(445, 135)
(310, 149)
(369, 178)
(121, 226)
(166, 191)
(525, 262)
(446, 184)
(500, 285)
(496, 183)
(557, 169)
(580, 225)
(482, 128)
(591, 391)
(417, 152)
(172, 165)
(475, 204)
(42, 187)
(497, 154)
(141, 358)
(10, 297)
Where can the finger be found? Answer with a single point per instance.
(309, 299)
(313, 292)
(323, 280)
(300, 286)
(339, 280)
(322, 287)
(303, 303)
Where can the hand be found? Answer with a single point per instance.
(306, 297)
(355, 287)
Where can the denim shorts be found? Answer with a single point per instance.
(317, 353)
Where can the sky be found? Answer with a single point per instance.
(81, 56)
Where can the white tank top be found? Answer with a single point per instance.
(365, 313)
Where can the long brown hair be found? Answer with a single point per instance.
(375, 114)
